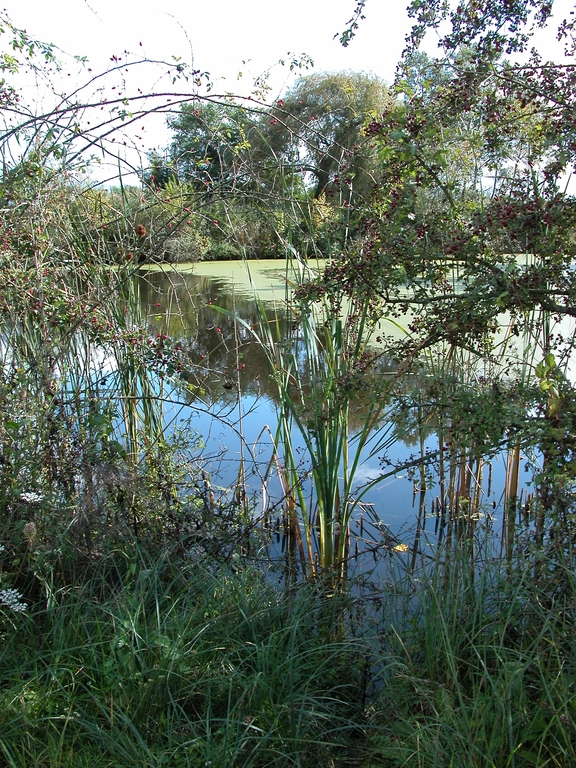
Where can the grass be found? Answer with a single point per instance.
(156, 663)
(159, 661)
(479, 668)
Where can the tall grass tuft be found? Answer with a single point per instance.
(477, 666)
(158, 662)
(319, 369)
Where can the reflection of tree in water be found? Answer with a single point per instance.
(221, 351)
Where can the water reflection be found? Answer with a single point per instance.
(213, 310)
(221, 352)
(216, 319)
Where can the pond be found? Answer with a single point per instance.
(234, 407)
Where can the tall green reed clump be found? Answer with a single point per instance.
(320, 368)
(86, 452)
(477, 663)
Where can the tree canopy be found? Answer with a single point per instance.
(206, 145)
(317, 127)
(314, 131)
(471, 231)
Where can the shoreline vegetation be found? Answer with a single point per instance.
(149, 616)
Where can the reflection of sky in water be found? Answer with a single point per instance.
(392, 501)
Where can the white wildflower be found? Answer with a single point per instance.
(31, 497)
(12, 599)
(29, 531)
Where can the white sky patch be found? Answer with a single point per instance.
(224, 36)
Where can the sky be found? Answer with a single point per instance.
(221, 34)
(221, 37)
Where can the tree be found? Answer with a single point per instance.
(207, 144)
(317, 130)
(160, 171)
(514, 122)
(293, 163)
(471, 226)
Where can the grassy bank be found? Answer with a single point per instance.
(157, 662)
(479, 666)
(161, 661)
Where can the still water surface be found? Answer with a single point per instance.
(237, 395)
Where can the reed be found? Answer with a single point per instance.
(82, 384)
(475, 664)
(318, 370)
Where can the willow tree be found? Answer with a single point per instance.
(316, 128)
